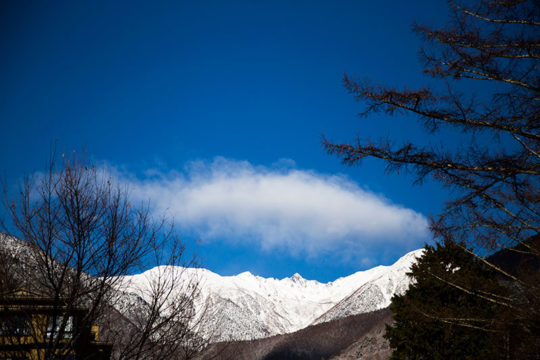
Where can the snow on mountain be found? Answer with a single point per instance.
(376, 293)
(245, 306)
(16, 248)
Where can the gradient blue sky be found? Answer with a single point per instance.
(215, 111)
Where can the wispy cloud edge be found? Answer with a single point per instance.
(277, 207)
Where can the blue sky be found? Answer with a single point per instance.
(215, 111)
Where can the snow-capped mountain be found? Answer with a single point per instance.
(245, 306)
(376, 293)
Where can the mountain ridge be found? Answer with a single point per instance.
(247, 307)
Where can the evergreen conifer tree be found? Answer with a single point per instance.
(440, 318)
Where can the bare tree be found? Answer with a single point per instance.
(164, 327)
(492, 46)
(83, 235)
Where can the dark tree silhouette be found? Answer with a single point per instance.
(80, 234)
(497, 42)
(440, 318)
(487, 60)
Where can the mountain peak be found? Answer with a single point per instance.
(246, 306)
(297, 277)
(245, 274)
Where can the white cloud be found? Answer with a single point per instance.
(300, 211)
